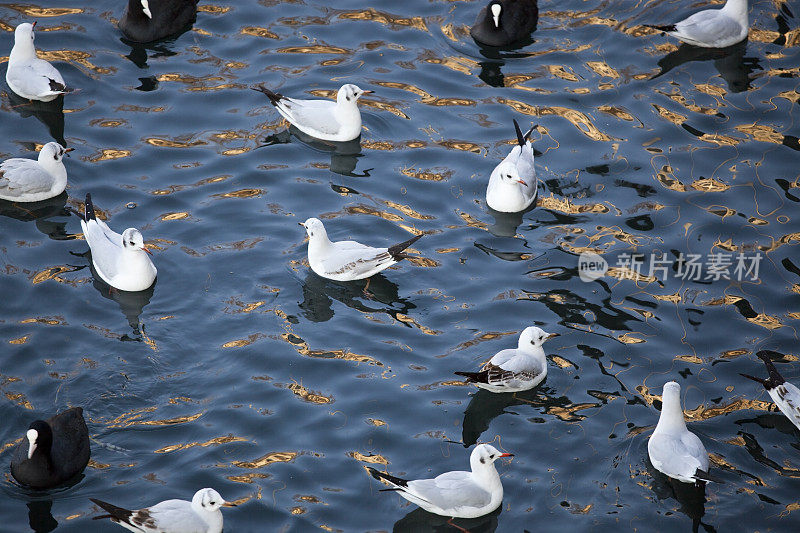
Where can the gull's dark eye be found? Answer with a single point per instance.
(212, 503)
(491, 456)
(131, 243)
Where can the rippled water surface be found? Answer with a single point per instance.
(244, 371)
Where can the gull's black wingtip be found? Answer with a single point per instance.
(274, 97)
(775, 378)
(383, 476)
(474, 377)
(89, 209)
(702, 475)
(520, 136)
(396, 250)
(665, 28)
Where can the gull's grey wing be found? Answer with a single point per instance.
(356, 258)
(677, 456)
(20, 176)
(451, 490)
(708, 26)
(787, 398)
(176, 515)
(312, 114)
(37, 77)
(105, 253)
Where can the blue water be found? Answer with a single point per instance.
(243, 371)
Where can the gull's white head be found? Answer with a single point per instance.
(209, 500)
(671, 417)
(132, 240)
(52, 152)
(314, 228)
(671, 393)
(535, 336)
(510, 175)
(496, 9)
(24, 36)
(146, 9)
(33, 436)
(350, 93)
(484, 455)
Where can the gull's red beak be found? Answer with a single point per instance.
(146, 249)
(34, 24)
(506, 455)
(367, 92)
(522, 182)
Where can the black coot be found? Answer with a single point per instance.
(52, 452)
(145, 21)
(505, 22)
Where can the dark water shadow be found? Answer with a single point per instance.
(506, 224)
(40, 517)
(730, 62)
(691, 497)
(485, 406)
(41, 213)
(319, 294)
(421, 521)
(51, 113)
(139, 51)
(773, 421)
(131, 303)
(495, 58)
(344, 155)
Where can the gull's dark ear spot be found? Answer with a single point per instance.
(483, 461)
(348, 98)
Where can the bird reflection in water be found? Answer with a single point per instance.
(495, 58)
(138, 55)
(40, 517)
(730, 62)
(130, 303)
(421, 521)
(485, 406)
(42, 213)
(319, 293)
(690, 496)
(344, 155)
(506, 224)
(51, 113)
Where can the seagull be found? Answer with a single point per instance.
(29, 76)
(513, 185)
(119, 260)
(673, 449)
(348, 260)
(144, 23)
(330, 121)
(515, 370)
(505, 22)
(785, 395)
(201, 515)
(455, 494)
(26, 180)
(712, 28)
(53, 451)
